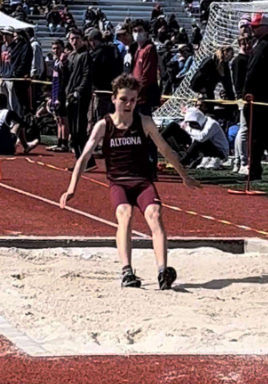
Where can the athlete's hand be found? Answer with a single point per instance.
(189, 182)
(64, 198)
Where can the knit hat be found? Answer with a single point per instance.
(94, 34)
(259, 19)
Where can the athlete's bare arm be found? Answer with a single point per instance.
(94, 139)
(151, 130)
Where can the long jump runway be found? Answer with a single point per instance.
(31, 187)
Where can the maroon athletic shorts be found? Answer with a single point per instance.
(134, 192)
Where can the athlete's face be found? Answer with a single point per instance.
(125, 101)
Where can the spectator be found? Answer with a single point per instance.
(208, 139)
(244, 25)
(165, 55)
(145, 71)
(212, 71)
(158, 24)
(67, 19)
(77, 70)
(156, 12)
(38, 67)
(54, 20)
(182, 37)
(12, 129)
(91, 18)
(123, 34)
(145, 68)
(7, 87)
(20, 67)
(106, 66)
(173, 25)
(196, 35)
(19, 13)
(58, 100)
(239, 70)
(185, 59)
(257, 84)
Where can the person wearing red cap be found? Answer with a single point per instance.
(257, 84)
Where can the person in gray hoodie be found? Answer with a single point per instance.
(208, 139)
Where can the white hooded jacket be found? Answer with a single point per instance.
(210, 130)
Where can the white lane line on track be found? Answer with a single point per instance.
(77, 211)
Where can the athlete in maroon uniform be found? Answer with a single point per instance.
(125, 148)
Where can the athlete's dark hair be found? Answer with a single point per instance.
(3, 101)
(125, 81)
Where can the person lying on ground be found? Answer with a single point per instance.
(126, 152)
(11, 133)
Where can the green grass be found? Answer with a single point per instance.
(226, 178)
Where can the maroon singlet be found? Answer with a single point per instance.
(126, 151)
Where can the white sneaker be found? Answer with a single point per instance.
(236, 168)
(228, 163)
(205, 161)
(31, 146)
(215, 163)
(243, 170)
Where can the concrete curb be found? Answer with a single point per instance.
(21, 340)
(233, 245)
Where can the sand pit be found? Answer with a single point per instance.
(70, 301)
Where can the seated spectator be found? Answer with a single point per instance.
(208, 139)
(54, 20)
(186, 53)
(12, 129)
(196, 35)
(182, 36)
(90, 18)
(19, 13)
(35, 10)
(200, 137)
(157, 11)
(158, 24)
(67, 19)
(173, 25)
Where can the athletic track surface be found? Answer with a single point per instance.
(29, 193)
(27, 181)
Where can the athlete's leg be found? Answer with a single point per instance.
(153, 217)
(124, 213)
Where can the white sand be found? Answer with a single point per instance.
(70, 301)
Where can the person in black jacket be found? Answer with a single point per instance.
(239, 71)
(20, 67)
(257, 84)
(213, 70)
(107, 64)
(78, 69)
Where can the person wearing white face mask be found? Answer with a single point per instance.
(145, 71)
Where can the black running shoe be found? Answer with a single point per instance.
(167, 278)
(129, 279)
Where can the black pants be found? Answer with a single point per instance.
(77, 118)
(259, 138)
(207, 149)
(146, 110)
(176, 137)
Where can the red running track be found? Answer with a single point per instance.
(17, 368)
(27, 216)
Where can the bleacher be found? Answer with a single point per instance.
(116, 11)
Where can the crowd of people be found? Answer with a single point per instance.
(158, 53)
